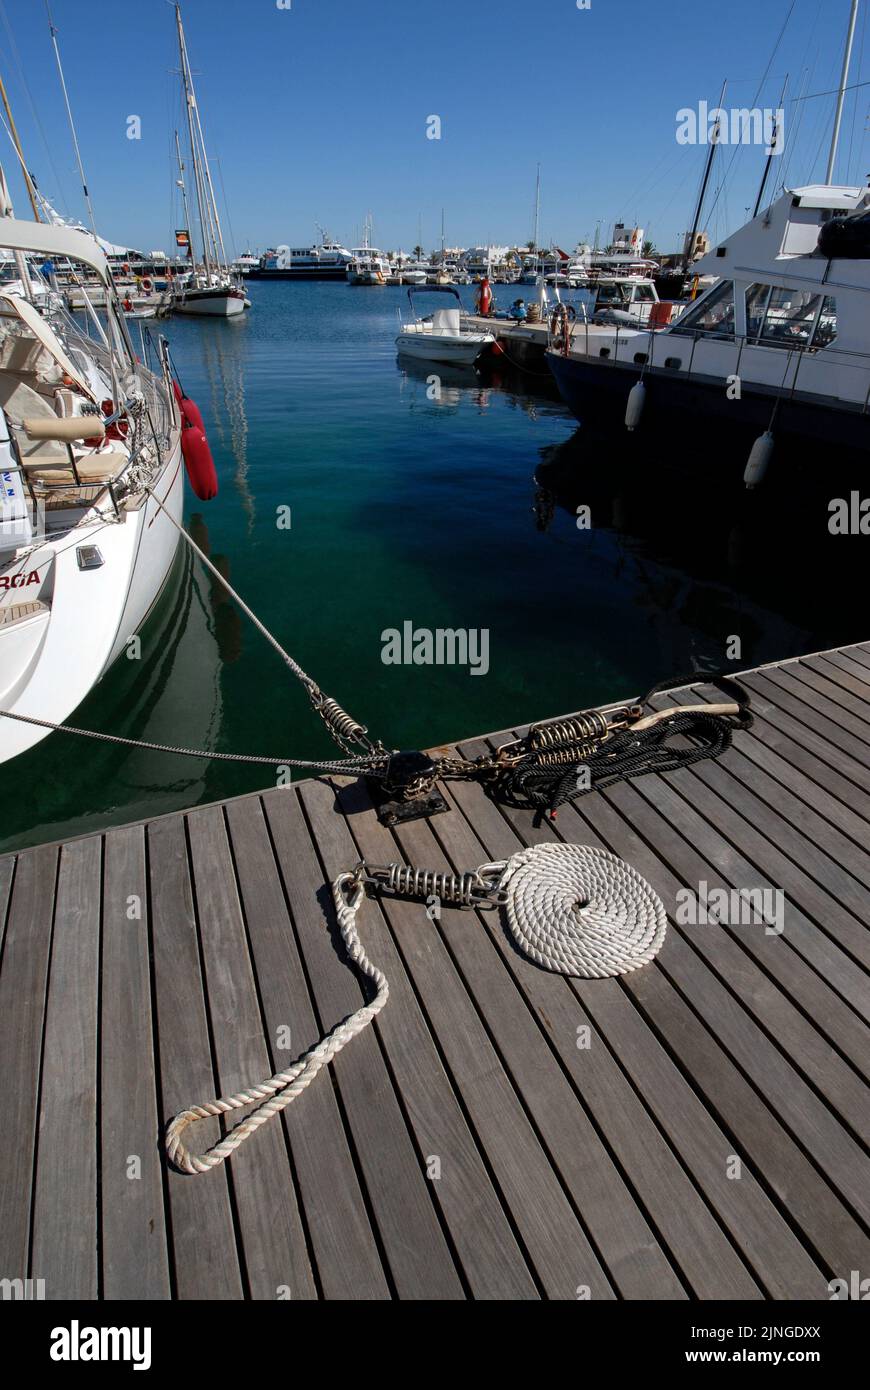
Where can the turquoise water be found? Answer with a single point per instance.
(406, 508)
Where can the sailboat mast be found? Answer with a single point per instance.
(708, 168)
(183, 187)
(537, 206)
(189, 102)
(69, 116)
(217, 233)
(775, 135)
(841, 94)
(13, 131)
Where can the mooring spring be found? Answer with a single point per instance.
(579, 728)
(343, 728)
(562, 757)
(425, 883)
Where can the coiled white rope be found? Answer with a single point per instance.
(582, 911)
(571, 908)
(283, 1088)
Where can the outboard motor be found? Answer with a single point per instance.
(846, 238)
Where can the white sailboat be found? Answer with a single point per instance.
(92, 479)
(212, 289)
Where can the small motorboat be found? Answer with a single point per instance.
(440, 337)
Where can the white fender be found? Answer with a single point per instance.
(634, 405)
(759, 457)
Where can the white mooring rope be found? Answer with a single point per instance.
(573, 909)
(283, 1088)
(582, 911)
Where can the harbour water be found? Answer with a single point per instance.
(357, 495)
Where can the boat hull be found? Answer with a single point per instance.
(300, 273)
(597, 391)
(49, 663)
(429, 348)
(208, 303)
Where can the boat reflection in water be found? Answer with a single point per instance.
(170, 694)
(447, 387)
(705, 555)
(224, 359)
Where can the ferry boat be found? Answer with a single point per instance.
(367, 266)
(786, 318)
(328, 261)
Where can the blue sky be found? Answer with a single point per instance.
(318, 113)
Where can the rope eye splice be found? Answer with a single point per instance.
(572, 909)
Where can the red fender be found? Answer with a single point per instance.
(485, 298)
(199, 462)
(190, 414)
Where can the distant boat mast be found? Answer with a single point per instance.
(72, 125)
(841, 95)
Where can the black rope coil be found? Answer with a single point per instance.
(563, 767)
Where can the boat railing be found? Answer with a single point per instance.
(86, 492)
(792, 352)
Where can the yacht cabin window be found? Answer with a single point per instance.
(789, 318)
(713, 316)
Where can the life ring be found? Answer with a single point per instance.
(147, 284)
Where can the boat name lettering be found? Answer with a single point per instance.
(19, 581)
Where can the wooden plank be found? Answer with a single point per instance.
(842, 689)
(418, 1255)
(662, 1187)
(275, 1251)
(733, 1038)
(65, 1251)
(754, 1223)
(547, 1224)
(7, 873)
(135, 1256)
(839, 725)
(23, 984)
(619, 1230)
(346, 1253)
(203, 1239)
(805, 1195)
(844, 662)
(470, 1208)
(837, 970)
(840, 802)
(774, 972)
(788, 716)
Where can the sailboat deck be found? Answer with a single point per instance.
(697, 1129)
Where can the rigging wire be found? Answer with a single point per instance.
(16, 54)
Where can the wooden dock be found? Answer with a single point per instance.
(524, 344)
(695, 1130)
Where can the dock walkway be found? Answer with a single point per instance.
(697, 1129)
